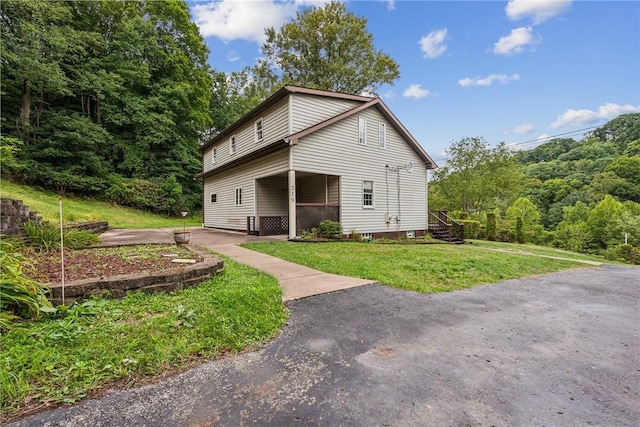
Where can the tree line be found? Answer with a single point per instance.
(112, 99)
(579, 195)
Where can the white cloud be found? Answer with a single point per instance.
(538, 10)
(389, 94)
(522, 129)
(416, 91)
(232, 19)
(433, 44)
(488, 81)
(391, 4)
(515, 41)
(232, 56)
(581, 117)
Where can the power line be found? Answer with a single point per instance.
(547, 138)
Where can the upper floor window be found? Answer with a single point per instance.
(214, 155)
(259, 127)
(382, 135)
(232, 145)
(214, 198)
(238, 196)
(362, 130)
(367, 194)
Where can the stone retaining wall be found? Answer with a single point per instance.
(13, 213)
(97, 227)
(163, 281)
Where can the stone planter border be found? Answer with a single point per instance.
(181, 277)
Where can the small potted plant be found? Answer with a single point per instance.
(182, 236)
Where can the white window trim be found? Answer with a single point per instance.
(373, 192)
(214, 155)
(233, 147)
(255, 130)
(362, 130)
(238, 196)
(382, 136)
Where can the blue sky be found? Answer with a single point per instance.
(515, 71)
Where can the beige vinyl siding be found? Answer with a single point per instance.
(308, 110)
(311, 189)
(333, 189)
(272, 196)
(224, 213)
(335, 151)
(275, 126)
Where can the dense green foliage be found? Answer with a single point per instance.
(20, 296)
(96, 93)
(325, 48)
(579, 195)
(96, 342)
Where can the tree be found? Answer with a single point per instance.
(325, 48)
(477, 177)
(606, 222)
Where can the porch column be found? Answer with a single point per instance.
(292, 204)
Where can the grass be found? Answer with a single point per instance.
(537, 250)
(422, 268)
(45, 203)
(102, 341)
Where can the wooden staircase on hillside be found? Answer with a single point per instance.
(443, 227)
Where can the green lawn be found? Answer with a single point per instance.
(422, 268)
(538, 250)
(46, 204)
(101, 341)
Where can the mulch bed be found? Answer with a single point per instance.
(104, 262)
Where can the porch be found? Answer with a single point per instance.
(315, 197)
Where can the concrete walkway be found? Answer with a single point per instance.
(296, 281)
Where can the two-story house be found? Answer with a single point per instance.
(304, 155)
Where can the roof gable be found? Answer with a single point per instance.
(366, 101)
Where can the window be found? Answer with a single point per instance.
(382, 135)
(238, 196)
(362, 130)
(411, 234)
(214, 198)
(367, 194)
(214, 155)
(259, 134)
(232, 145)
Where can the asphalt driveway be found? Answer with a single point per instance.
(558, 349)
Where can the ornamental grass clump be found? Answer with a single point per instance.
(20, 296)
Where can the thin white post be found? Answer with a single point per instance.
(292, 204)
(61, 246)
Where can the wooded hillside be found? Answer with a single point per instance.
(580, 195)
(104, 97)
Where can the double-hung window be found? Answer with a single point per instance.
(238, 196)
(362, 130)
(367, 194)
(214, 155)
(232, 145)
(214, 198)
(259, 130)
(382, 135)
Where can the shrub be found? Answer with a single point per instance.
(519, 234)
(45, 237)
(330, 229)
(471, 228)
(20, 297)
(158, 195)
(624, 252)
(491, 226)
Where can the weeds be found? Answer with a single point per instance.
(90, 344)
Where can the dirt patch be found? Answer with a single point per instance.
(105, 262)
